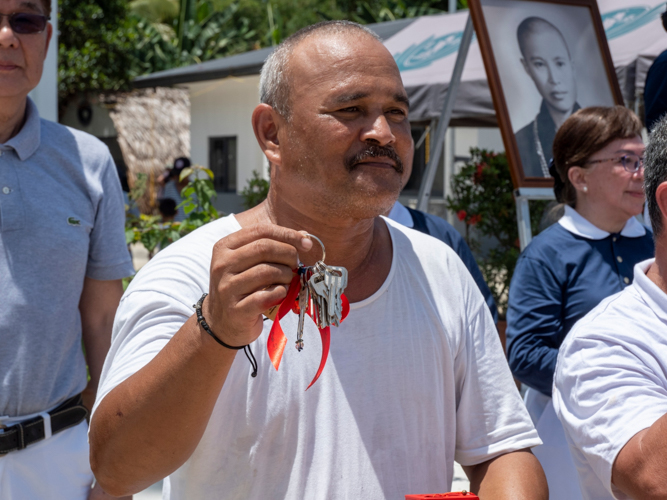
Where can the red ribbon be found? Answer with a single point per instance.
(277, 340)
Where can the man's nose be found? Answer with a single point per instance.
(8, 38)
(553, 75)
(379, 131)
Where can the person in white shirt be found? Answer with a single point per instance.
(416, 377)
(610, 384)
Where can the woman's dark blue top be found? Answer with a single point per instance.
(558, 279)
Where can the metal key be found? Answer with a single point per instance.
(304, 299)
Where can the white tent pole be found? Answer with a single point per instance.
(438, 141)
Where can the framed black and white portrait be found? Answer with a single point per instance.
(544, 60)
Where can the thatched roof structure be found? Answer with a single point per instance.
(153, 127)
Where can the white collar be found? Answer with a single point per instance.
(401, 215)
(577, 224)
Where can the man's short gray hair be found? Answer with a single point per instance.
(274, 85)
(655, 171)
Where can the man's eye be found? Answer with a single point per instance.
(538, 64)
(351, 109)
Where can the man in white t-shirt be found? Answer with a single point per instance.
(416, 377)
(610, 385)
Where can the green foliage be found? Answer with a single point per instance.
(105, 44)
(95, 45)
(197, 205)
(483, 198)
(256, 191)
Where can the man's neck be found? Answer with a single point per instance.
(657, 273)
(558, 116)
(12, 117)
(363, 247)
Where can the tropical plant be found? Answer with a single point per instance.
(256, 191)
(483, 199)
(197, 204)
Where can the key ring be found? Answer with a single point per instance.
(324, 253)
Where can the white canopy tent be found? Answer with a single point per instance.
(426, 50)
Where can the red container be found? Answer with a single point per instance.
(459, 495)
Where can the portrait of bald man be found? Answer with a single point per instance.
(547, 60)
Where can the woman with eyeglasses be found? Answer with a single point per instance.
(574, 264)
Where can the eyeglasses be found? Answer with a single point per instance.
(24, 23)
(631, 163)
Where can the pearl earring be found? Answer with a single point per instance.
(585, 189)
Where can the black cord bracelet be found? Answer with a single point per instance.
(207, 329)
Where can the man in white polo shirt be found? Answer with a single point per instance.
(62, 255)
(610, 385)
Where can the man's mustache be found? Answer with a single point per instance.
(374, 151)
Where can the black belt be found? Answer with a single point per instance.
(18, 436)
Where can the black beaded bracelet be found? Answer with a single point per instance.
(207, 329)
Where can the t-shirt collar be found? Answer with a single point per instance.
(401, 215)
(26, 142)
(577, 224)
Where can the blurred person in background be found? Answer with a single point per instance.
(574, 264)
(174, 186)
(655, 88)
(62, 257)
(441, 229)
(610, 386)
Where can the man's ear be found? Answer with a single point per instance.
(265, 123)
(661, 199)
(49, 34)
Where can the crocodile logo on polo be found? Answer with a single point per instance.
(420, 55)
(622, 21)
(73, 222)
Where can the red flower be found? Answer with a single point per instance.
(461, 214)
(475, 219)
(477, 176)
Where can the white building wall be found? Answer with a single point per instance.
(45, 95)
(220, 108)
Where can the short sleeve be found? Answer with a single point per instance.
(108, 255)
(605, 393)
(491, 417)
(145, 322)
(534, 323)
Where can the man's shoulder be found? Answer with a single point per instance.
(71, 141)
(184, 264)
(619, 318)
(525, 134)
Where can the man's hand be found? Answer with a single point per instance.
(250, 272)
(513, 476)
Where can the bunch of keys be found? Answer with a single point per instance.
(322, 288)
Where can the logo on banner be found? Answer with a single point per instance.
(420, 55)
(622, 21)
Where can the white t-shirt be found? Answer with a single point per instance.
(611, 379)
(416, 378)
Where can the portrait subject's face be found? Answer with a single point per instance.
(347, 147)
(21, 55)
(547, 61)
